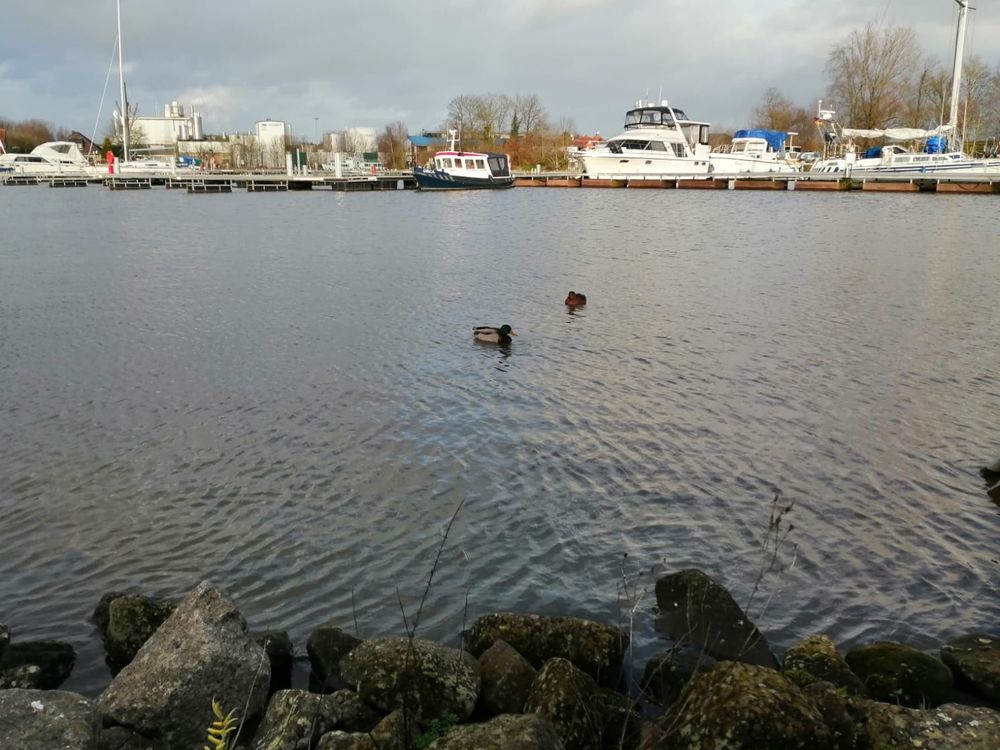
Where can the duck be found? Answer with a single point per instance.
(490, 335)
(576, 299)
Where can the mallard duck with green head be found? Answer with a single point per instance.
(490, 335)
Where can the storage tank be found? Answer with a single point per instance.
(336, 141)
(196, 131)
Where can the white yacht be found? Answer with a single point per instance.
(757, 150)
(941, 150)
(659, 140)
(51, 158)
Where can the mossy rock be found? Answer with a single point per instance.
(592, 647)
(947, 727)
(132, 619)
(668, 673)
(695, 608)
(896, 673)
(975, 661)
(816, 659)
(569, 698)
(737, 706)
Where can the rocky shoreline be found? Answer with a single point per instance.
(526, 682)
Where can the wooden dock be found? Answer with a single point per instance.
(199, 183)
(916, 182)
(897, 183)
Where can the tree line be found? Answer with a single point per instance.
(879, 77)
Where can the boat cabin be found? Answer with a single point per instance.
(663, 116)
(495, 165)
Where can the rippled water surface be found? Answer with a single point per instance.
(280, 393)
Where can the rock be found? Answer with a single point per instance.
(346, 741)
(296, 719)
(47, 720)
(991, 473)
(54, 661)
(668, 672)
(894, 673)
(394, 732)
(4, 639)
(281, 654)
(326, 646)
(506, 732)
(101, 611)
(947, 727)
(736, 705)
(432, 680)
(569, 699)
(27, 677)
(595, 648)
(131, 620)
(506, 680)
(202, 652)
(817, 659)
(975, 662)
(622, 726)
(120, 738)
(696, 609)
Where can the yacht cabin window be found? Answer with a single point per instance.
(480, 164)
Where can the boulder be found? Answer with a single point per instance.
(694, 608)
(280, 654)
(101, 611)
(816, 659)
(506, 732)
(53, 659)
(506, 680)
(346, 741)
(26, 677)
(296, 719)
(131, 620)
(736, 705)
(424, 678)
(47, 720)
(895, 673)
(120, 738)
(668, 672)
(394, 732)
(975, 662)
(202, 652)
(947, 727)
(595, 648)
(570, 700)
(621, 725)
(326, 646)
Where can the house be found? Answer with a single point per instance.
(424, 146)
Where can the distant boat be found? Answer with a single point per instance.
(937, 156)
(464, 170)
(51, 158)
(757, 150)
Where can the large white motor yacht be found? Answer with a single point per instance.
(52, 158)
(659, 140)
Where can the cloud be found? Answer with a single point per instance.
(377, 62)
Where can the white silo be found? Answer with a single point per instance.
(196, 127)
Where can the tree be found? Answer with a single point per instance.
(529, 112)
(25, 135)
(777, 112)
(136, 136)
(392, 145)
(871, 75)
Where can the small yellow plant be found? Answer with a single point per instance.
(221, 728)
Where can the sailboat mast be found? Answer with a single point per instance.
(121, 84)
(956, 76)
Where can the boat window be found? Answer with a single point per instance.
(651, 117)
(62, 148)
(901, 159)
(498, 166)
(703, 134)
(470, 163)
(657, 146)
(919, 158)
(480, 164)
(446, 163)
(679, 149)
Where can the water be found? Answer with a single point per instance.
(280, 393)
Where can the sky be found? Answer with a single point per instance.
(324, 65)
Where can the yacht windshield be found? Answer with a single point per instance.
(655, 116)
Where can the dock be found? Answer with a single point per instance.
(202, 183)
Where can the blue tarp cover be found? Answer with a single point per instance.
(775, 138)
(426, 140)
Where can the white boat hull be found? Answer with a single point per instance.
(602, 163)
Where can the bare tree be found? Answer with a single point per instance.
(777, 112)
(392, 145)
(531, 115)
(871, 75)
